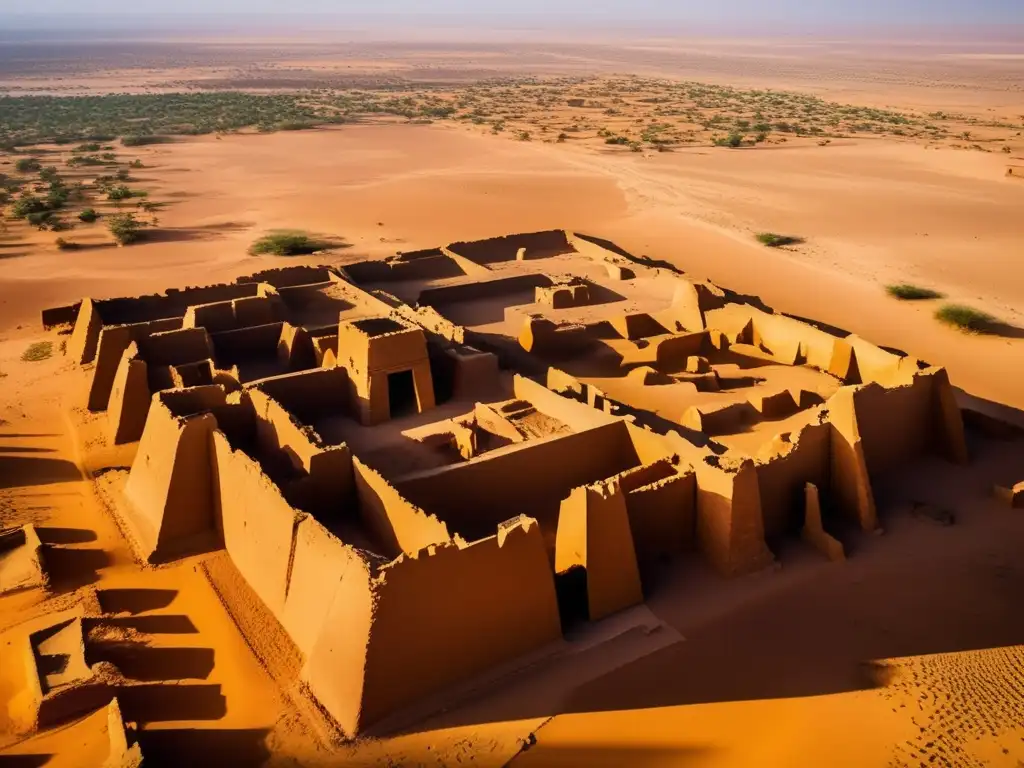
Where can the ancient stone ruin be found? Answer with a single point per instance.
(428, 467)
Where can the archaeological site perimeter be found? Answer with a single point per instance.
(428, 469)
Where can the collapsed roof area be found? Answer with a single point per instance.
(427, 467)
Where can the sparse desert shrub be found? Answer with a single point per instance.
(120, 192)
(524, 136)
(287, 242)
(965, 318)
(636, 146)
(908, 292)
(136, 163)
(66, 245)
(27, 165)
(88, 216)
(142, 141)
(773, 240)
(125, 228)
(617, 140)
(26, 205)
(562, 137)
(40, 350)
(733, 140)
(39, 218)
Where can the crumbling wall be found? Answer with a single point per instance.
(875, 364)
(170, 489)
(531, 245)
(429, 620)
(482, 289)
(130, 398)
(319, 562)
(686, 313)
(784, 468)
(54, 317)
(309, 395)
(900, 422)
(111, 345)
(594, 533)
(94, 315)
(398, 525)
(284, 277)
(661, 502)
(244, 312)
(574, 414)
(730, 523)
(518, 479)
(429, 265)
(327, 484)
(136, 377)
(258, 525)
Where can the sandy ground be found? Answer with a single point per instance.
(773, 668)
(873, 213)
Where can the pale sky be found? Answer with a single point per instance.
(803, 12)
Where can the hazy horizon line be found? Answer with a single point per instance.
(318, 23)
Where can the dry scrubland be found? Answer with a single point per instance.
(868, 189)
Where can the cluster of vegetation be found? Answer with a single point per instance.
(288, 242)
(773, 240)
(125, 228)
(40, 350)
(142, 119)
(908, 292)
(966, 318)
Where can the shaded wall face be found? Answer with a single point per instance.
(526, 480)
(257, 523)
(259, 341)
(782, 480)
(170, 486)
(310, 395)
(537, 244)
(395, 523)
(443, 618)
(111, 345)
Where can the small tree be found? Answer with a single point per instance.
(125, 228)
(27, 205)
(27, 165)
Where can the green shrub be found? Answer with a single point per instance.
(733, 140)
(119, 192)
(142, 141)
(125, 228)
(287, 242)
(773, 240)
(27, 165)
(965, 318)
(88, 216)
(41, 350)
(26, 205)
(908, 292)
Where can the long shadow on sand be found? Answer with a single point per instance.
(24, 471)
(196, 746)
(135, 601)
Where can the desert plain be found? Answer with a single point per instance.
(884, 162)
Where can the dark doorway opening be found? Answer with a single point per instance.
(573, 602)
(401, 394)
